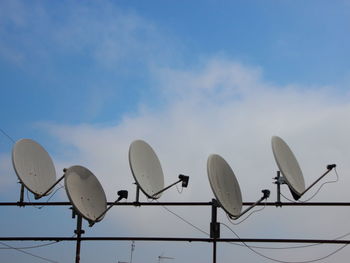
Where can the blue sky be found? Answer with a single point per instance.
(192, 78)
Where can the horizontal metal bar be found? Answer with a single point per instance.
(177, 204)
(301, 204)
(180, 239)
(109, 203)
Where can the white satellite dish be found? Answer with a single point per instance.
(288, 165)
(226, 188)
(224, 185)
(290, 169)
(147, 170)
(85, 193)
(34, 167)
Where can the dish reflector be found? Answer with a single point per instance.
(146, 168)
(288, 165)
(85, 193)
(33, 166)
(224, 185)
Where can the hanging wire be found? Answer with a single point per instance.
(7, 136)
(296, 247)
(318, 190)
(31, 247)
(283, 261)
(36, 246)
(243, 245)
(179, 190)
(28, 253)
(184, 220)
(257, 247)
(254, 211)
(47, 201)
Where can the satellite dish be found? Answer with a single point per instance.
(34, 167)
(290, 169)
(224, 185)
(146, 169)
(85, 193)
(289, 166)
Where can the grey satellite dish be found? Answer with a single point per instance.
(146, 168)
(34, 167)
(290, 169)
(224, 184)
(87, 197)
(289, 166)
(85, 193)
(147, 171)
(226, 188)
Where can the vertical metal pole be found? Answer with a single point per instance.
(78, 231)
(278, 187)
(137, 193)
(21, 197)
(214, 227)
(214, 251)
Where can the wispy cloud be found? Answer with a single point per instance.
(235, 119)
(218, 106)
(102, 34)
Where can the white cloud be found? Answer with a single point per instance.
(220, 106)
(223, 108)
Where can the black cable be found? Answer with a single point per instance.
(283, 261)
(242, 245)
(318, 190)
(184, 220)
(36, 246)
(47, 201)
(179, 190)
(254, 211)
(28, 253)
(8, 136)
(31, 247)
(257, 247)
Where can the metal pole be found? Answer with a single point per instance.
(78, 232)
(48, 190)
(137, 193)
(21, 197)
(264, 197)
(214, 227)
(329, 168)
(166, 188)
(181, 239)
(214, 251)
(278, 187)
(329, 204)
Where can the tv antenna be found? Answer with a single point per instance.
(147, 171)
(290, 169)
(132, 250)
(34, 168)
